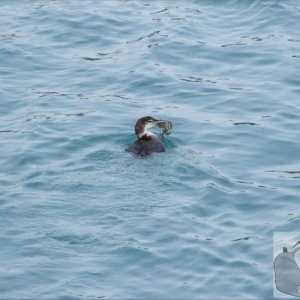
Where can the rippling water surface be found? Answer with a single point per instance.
(80, 217)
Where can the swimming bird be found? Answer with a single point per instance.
(148, 142)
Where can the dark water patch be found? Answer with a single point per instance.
(108, 53)
(9, 131)
(282, 171)
(80, 114)
(233, 44)
(245, 123)
(245, 238)
(237, 88)
(294, 218)
(194, 10)
(91, 58)
(266, 187)
(286, 174)
(42, 94)
(39, 117)
(195, 79)
(110, 56)
(143, 37)
(160, 11)
(8, 37)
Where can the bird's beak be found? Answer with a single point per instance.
(158, 122)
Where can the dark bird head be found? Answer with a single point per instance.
(143, 124)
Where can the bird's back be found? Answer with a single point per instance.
(143, 147)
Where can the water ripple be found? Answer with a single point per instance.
(79, 214)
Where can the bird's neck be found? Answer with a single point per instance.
(146, 135)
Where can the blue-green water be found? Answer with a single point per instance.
(80, 217)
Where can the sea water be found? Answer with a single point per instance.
(80, 217)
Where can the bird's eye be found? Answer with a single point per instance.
(150, 121)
